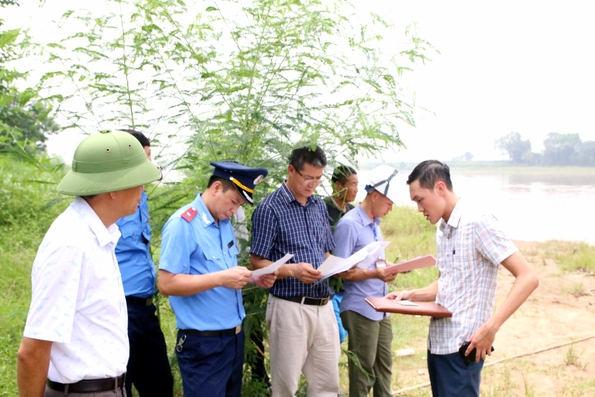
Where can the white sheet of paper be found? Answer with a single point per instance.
(272, 267)
(407, 303)
(373, 251)
(333, 265)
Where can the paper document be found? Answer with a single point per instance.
(415, 263)
(333, 264)
(407, 303)
(373, 251)
(272, 267)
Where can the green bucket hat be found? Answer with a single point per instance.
(108, 162)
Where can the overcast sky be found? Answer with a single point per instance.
(524, 66)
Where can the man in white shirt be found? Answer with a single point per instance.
(76, 332)
(470, 247)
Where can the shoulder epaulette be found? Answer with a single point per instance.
(189, 214)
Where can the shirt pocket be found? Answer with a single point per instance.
(130, 229)
(462, 259)
(233, 250)
(212, 254)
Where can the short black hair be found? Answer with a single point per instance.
(307, 154)
(429, 172)
(144, 141)
(227, 184)
(341, 173)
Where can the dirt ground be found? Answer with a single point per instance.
(547, 348)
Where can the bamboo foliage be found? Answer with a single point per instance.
(241, 80)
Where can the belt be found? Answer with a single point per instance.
(225, 332)
(133, 300)
(89, 385)
(304, 300)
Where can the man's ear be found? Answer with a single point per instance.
(216, 187)
(440, 188)
(375, 194)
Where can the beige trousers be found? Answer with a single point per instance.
(303, 338)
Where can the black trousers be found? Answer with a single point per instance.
(148, 367)
(211, 366)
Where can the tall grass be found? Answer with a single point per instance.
(25, 192)
(411, 235)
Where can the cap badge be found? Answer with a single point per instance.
(258, 179)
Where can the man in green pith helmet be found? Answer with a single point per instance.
(75, 340)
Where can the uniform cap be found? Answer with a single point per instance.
(382, 180)
(243, 178)
(108, 162)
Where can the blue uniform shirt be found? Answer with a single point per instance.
(281, 225)
(354, 231)
(132, 252)
(200, 246)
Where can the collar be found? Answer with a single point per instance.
(104, 235)
(204, 216)
(455, 217)
(364, 218)
(289, 197)
(338, 206)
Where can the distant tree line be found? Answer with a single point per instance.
(559, 149)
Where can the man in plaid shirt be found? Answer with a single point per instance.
(470, 246)
(303, 333)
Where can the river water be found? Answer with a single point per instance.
(530, 206)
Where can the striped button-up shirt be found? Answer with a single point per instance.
(470, 246)
(282, 225)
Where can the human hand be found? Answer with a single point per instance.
(402, 295)
(385, 276)
(265, 281)
(482, 340)
(236, 277)
(348, 274)
(305, 272)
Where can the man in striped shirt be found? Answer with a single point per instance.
(470, 245)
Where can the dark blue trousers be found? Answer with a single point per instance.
(211, 366)
(450, 377)
(148, 367)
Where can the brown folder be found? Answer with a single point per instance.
(421, 308)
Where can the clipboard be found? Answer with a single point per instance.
(420, 308)
(415, 263)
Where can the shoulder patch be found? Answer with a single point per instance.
(189, 214)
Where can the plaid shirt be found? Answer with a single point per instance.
(470, 246)
(281, 225)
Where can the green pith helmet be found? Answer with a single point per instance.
(108, 162)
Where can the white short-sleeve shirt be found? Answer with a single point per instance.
(469, 248)
(78, 299)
